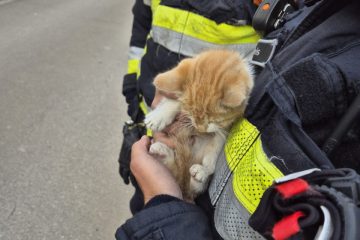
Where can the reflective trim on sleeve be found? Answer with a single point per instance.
(134, 56)
(190, 26)
(133, 66)
(252, 171)
(135, 52)
(190, 46)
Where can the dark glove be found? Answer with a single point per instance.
(323, 202)
(129, 87)
(131, 95)
(131, 133)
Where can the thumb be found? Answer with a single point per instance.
(144, 142)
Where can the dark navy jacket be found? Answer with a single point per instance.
(298, 99)
(304, 91)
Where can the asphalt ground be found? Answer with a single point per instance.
(61, 112)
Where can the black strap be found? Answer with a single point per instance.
(343, 127)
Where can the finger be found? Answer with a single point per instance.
(164, 138)
(152, 176)
(154, 179)
(142, 144)
(145, 140)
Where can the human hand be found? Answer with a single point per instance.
(163, 138)
(152, 176)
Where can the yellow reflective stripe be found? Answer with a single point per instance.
(142, 104)
(134, 56)
(203, 28)
(253, 173)
(154, 5)
(133, 66)
(143, 107)
(149, 132)
(145, 111)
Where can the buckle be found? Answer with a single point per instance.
(264, 51)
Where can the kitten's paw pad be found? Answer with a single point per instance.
(199, 173)
(197, 187)
(156, 121)
(163, 151)
(160, 149)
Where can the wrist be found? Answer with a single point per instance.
(160, 199)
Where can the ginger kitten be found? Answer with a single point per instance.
(212, 91)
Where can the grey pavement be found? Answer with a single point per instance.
(61, 110)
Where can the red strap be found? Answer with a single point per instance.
(292, 188)
(287, 226)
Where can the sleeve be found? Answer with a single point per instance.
(223, 11)
(140, 30)
(173, 220)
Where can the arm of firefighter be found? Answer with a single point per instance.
(140, 30)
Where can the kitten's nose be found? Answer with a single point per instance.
(202, 128)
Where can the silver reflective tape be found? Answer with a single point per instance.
(135, 53)
(219, 179)
(296, 175)
(147, 2)
(189, 46)
(231, 218)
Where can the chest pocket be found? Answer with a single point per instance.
(318, 89)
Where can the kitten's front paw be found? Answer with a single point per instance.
(199, 179)
(163, 151)
(163, 114)
(156, 121)
(199, 173)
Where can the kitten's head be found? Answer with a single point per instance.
(213, 88)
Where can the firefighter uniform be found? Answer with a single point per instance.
(298, 99)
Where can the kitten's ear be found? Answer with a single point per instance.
(237, 90)
(173, 81)
(234, 96)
